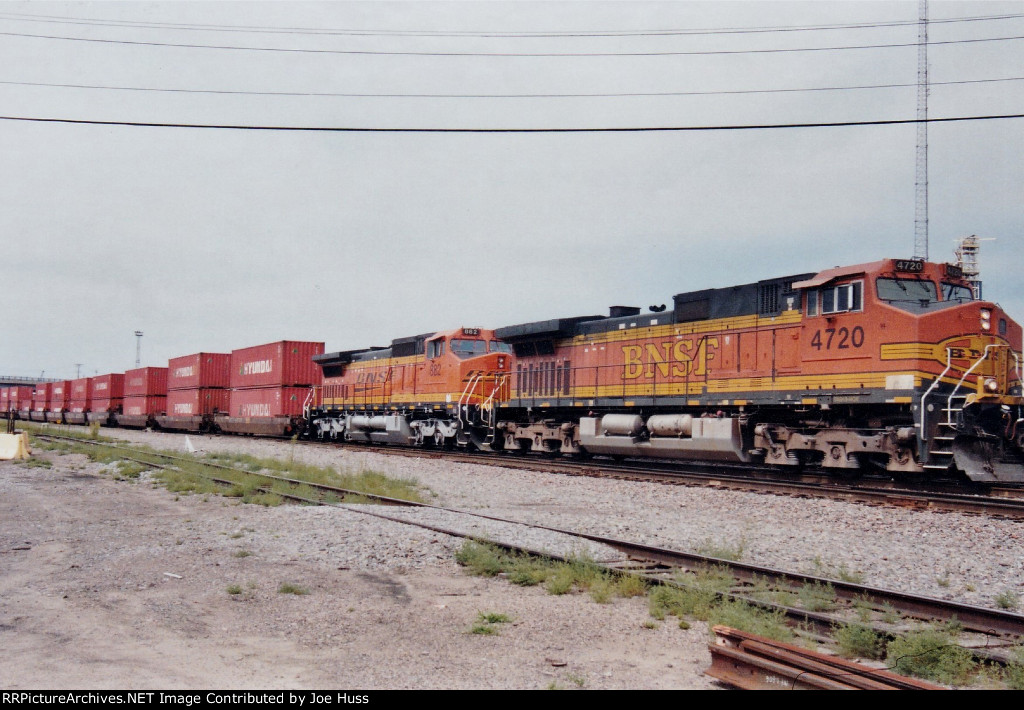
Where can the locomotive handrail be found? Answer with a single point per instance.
(488, 404)
(984, 356)
(924, 397)
(465, 396)
(308, 401)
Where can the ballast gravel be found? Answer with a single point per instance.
(114, 584)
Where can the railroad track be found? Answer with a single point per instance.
(989, 633)
(993, 501)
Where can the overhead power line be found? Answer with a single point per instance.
(374, 52)
(642, 129)
(502, 96)
(504, 34)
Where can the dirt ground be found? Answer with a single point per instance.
(110, 584)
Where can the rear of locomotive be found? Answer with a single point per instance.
(436, 389)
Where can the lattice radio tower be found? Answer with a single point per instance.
(921, 178)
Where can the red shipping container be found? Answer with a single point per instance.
(81, 395)
(60, 395)
(283, 364)
(106, 405)
(268, 402)
(20, 397)
(145, 382)
(41, 397)
(196, 402)
(108, 386)
(5, 397)
(199, 370)
(144, 406)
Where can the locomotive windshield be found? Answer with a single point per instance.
(468, 348)
(913, 290)
(496, 346)
(956, 292)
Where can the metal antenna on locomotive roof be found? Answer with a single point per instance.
(921, 177)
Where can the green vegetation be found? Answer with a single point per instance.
(1013, 674)
(193, 474)
(756, 620)
(241, 553)
(932, 653)
(579, 573)
(289, 588)
(731, 551)
(34, 462)
(578, 680)
(1007, 600)
(817, 596)
(821, 568)
(858, 641)
(485, 623)
(234, 589)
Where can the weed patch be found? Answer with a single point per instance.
(289, 588)
(858, 641)
(931, 654)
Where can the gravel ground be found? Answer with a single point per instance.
(121, 585)
(971, 559)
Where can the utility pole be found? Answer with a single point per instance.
(78, 370)
(138, 348)
(921, 177)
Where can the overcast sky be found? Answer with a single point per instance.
(212, 239)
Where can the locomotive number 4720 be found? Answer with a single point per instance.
(841, 339)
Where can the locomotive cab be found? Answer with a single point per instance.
(916, 337)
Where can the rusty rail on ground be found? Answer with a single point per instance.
(752, 662)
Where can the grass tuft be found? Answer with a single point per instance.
(859, 641)
(932, 654)
(289, 588)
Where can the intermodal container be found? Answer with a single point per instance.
(145, 382)
(19, 394)
(196, 402)
(107, 405)
(60, 395)
(41, 396)
(20, 397)
(81, 395)
(108, 386)
(263, 402)
(287, 363)
(5, 398)
(144, 406)
(201, 370)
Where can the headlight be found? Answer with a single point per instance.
(991, 384)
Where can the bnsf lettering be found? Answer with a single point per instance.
(101, 385)
(681, 358)
(185, 408)
(258, 367)
(184, 371)
(254, 410)
(369, 378)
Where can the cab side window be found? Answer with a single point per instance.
(840, 299)
(812, 302)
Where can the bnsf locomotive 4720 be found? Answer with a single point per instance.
(894, 365)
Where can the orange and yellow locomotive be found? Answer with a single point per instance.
(433, 389)
(891, 364)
